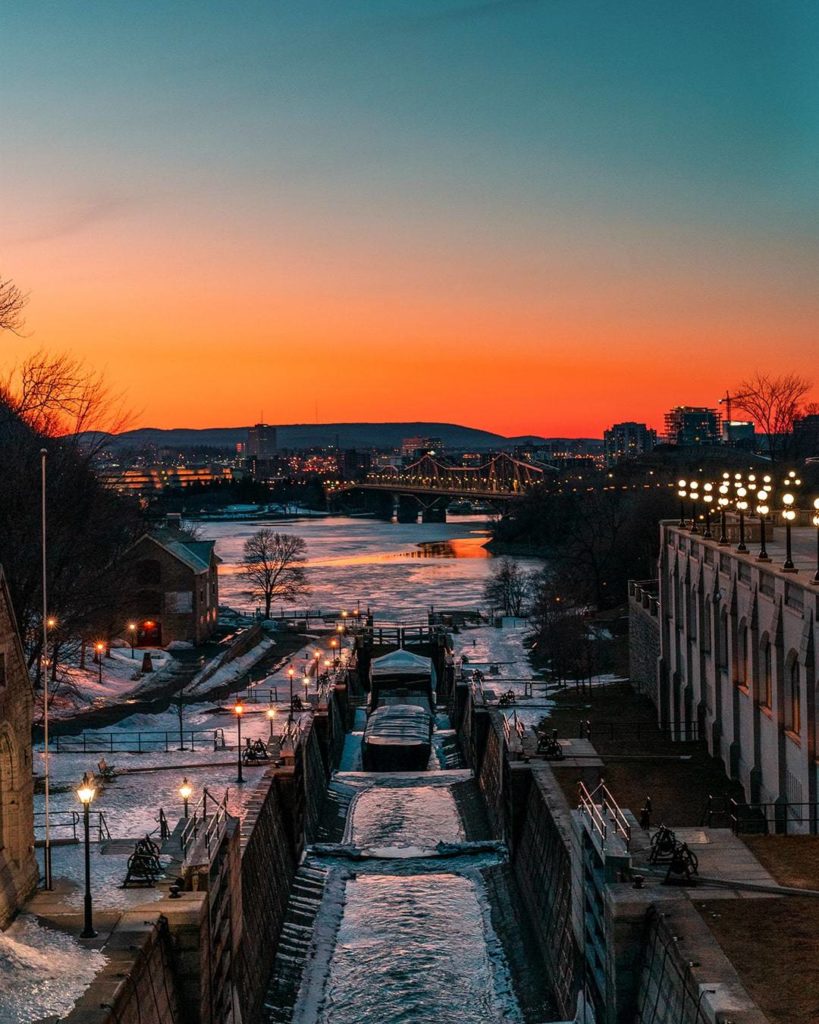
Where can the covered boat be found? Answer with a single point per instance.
(397, 738)
(398, 734)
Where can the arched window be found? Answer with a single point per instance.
(793, 693)
(766, 672)
(743, 640)
(722, 640)
(148, 572)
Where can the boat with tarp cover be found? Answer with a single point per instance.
(398, 734)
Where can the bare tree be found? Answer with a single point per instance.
(12, 302)
(272, 566)
(507, 587)
(773, 403)
(57, 395)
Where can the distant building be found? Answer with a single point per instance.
(352, 464)
(261, 441)
(806, 436)
(18, 868)
(146, 479)
(174, 586)
(414, 447)
(692, 425)
(739, 434)
(627, 441)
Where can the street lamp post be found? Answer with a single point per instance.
(816, 524)
(132, 637)
(762, 511)
(681, 493)
(708, 499)
(742, 508)
(185, 791)
(290, 673)
(271, 717)
(694, 495)
(723, 501)
(788, 514)
(238, 709)
(86, 793)
(99, 649)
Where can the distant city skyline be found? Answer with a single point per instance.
(538, 217)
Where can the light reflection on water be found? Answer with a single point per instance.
(374, 562)
(412, 950)
(384, 817)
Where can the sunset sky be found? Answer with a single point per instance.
(524, 215)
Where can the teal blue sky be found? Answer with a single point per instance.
(650, 169)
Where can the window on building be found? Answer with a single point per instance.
(741, 664)
(691, 612)
(793, 693)
(722, 640)
(706, 625)
(766, 673)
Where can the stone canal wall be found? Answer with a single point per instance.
(543, 869)
(138, 984)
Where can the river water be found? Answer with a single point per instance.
(399, 569)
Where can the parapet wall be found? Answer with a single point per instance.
(643, 640)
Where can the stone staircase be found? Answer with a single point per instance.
(294, 944)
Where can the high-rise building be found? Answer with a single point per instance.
(806, 435)
(739, 434)
(261, 440)
(692, 425)
(627, 441)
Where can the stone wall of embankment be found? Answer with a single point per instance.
(543, 870)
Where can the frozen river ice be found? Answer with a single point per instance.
(399, 568)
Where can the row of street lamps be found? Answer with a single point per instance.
(748, 495)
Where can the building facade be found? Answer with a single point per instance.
(628, 441)
(262, 441)
(18, 867)
(174, 586)
(692, 425)
(737, 664)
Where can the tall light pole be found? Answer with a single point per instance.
(788, 514)
(694, 495)
(132, 637)
(742, 508)
(762, 511)
(47, 877)
(708, 498)
(86, 793)
(290, 673)
(238, 709)
(682, 491)
(185, 791)
(99, 650)
(723, 501)
(815, 521)
(271, 717)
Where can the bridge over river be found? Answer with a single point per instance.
(430, 481)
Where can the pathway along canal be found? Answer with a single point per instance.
(412, 917)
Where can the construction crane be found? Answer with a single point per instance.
(726, 401)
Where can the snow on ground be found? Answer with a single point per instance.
(207, 680)
(79, 689)
(42, 972)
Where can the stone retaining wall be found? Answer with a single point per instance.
(643, 642)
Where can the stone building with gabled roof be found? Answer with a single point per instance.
(173, 587)
(18, 866)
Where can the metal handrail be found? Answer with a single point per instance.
(71, 819)
(211, 825)
(597, 820)
(134, 742)
(609, 812)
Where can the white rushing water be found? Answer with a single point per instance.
(399, 568)
(417, 949)
(384, 818)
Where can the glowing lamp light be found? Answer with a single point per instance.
(51, 622)
(762, 510)
(271, 713)
(741, 492)
(185, 790)
(99, 647)
(789, 515)
(694, 485)
(682, 483)
(86, 790)
(787, 499)
(132, 627)
(238, 708)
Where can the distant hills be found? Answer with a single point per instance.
(308, 435)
